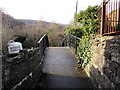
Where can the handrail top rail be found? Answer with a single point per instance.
(42, 38)
(75, 37)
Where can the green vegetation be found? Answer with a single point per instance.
(88, 19)
(73, 30)
(87, 26)
(84, 51)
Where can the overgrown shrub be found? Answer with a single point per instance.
(87, 26)
(84, 51)
(73, 30)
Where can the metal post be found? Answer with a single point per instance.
(119, 16)
(76, 46)
(103, 17)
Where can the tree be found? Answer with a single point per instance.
(73, 30)
(87, 22)
(88, 19)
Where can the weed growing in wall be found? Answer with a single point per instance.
(84, 51)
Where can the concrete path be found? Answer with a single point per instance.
(59, 70)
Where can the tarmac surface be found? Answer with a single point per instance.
(59, 70)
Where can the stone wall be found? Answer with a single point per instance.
(23, 70)
(104, 69)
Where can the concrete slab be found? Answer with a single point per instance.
(59, 70)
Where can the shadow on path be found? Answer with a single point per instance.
(59, 70)
(56, 81)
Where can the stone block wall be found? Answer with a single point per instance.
(22, 71)
(104, 68)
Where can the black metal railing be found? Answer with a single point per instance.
(43, 43)
(73, 42)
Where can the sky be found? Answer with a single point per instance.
(59, 11)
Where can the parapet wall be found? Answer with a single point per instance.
(104, 69)
(22, 71)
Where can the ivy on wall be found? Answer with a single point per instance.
(87, 26)
(84, 51)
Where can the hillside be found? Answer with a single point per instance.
(43, 23)
(27, 21)
(9, 22)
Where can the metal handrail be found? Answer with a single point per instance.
(43, 43)
(75, 37)
(42, 38)
(73, 42)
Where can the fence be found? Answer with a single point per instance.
(25, 69)
(73, 42)
(109, 17)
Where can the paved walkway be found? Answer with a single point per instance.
(59, 70)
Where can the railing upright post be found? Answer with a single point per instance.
(47, 41)
(67, 40)
(119, 16)
(76, 46)
(103, 17)
(43, 46)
